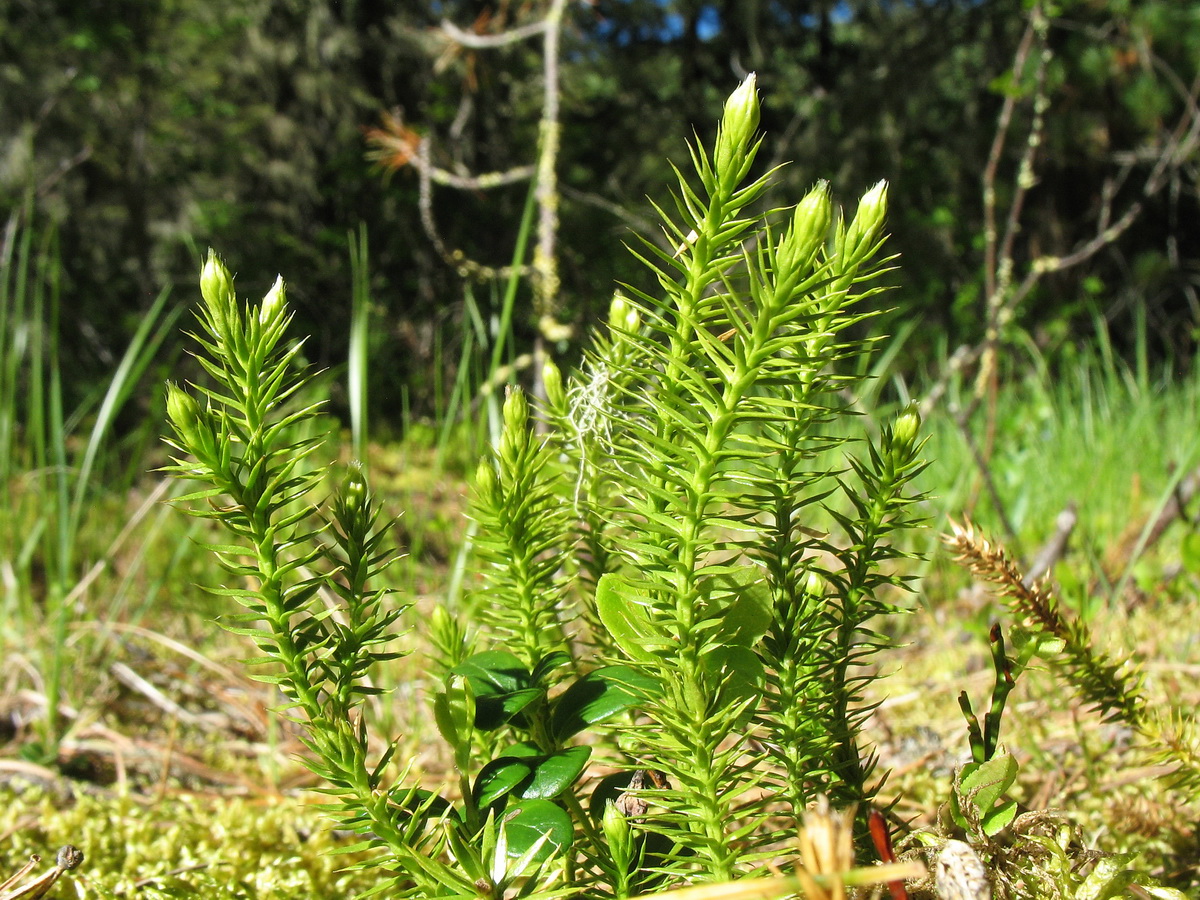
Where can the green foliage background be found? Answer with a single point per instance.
(150, 128)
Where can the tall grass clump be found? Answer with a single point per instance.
(53, 457)
(669, 590)
(1083, 429)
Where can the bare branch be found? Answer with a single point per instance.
(475, 41)
(1025, 174)
(993, 164)
(482, 182)
(647, 228)
(466, 267)
(399, 146)
(545, 256)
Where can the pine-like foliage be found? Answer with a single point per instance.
(242, 440)
(710, 404)
(523, 531)
(679, 579)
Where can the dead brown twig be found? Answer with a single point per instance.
(16, 888)
(1006, 284)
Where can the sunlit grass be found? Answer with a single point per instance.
(1115, 439)
(1090, 433)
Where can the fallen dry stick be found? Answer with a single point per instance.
(67, 858)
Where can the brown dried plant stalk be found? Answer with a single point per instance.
(824, 871)
(1113, 685)
(18, 887)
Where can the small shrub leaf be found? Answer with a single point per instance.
(983, 786)
(502, 687)
(499, 778)
(557, 772)
(532, 821)
(597, 696)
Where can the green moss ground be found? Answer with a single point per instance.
(184, 845)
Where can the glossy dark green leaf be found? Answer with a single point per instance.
(492, 712)
(532, 820)
(548, 664)
(555, 773)
(599, 695)
(529, 776)
(494, 671)
(501, 684)
(500, 778)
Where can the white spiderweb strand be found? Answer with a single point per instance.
(588, 402)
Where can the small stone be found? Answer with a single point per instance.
(960, 874)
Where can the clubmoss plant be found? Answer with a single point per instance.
(680, 580)
(241, 443)
(695, 462)
(1113, 687)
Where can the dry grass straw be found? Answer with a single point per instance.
(825, 870)
(19, 887)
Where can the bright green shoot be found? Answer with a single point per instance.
(695, 431)
(672, 582)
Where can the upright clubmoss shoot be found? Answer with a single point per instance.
(671, 556)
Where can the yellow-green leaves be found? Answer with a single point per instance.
(678, 520)
(250, 434)
(216, 287)
(908, 427)
(516, 421)
(274, 304)
(739, 615)
(863, 233)
(556, 398)
(245, 337)
(454, 712)
(183, 411)
(739, 121)
(901, 442)
(523, 529)
(192, 425)
(809, 228)
(979, 802)
(216, 284)
(623, 316)
(354, 488)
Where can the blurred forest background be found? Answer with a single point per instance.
(139, 132)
